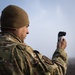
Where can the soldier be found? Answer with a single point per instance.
(16, 57)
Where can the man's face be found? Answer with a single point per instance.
(22, 32)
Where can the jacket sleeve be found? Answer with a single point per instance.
(20, 66)
(60, 59)
(58, 65)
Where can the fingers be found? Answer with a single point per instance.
(62, 44)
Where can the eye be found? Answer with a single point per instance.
(27, 25)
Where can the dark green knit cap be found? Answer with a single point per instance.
(13, 17)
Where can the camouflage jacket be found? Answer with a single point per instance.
(17, 58)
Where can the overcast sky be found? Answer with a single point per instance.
(47, 18)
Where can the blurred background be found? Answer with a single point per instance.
(47, 18)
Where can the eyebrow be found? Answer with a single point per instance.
(27, 25)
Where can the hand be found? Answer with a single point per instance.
(62, 44)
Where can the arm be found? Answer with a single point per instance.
(20, 64)
(58, 65)
(60, 58)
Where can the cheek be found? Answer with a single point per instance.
(24, 32)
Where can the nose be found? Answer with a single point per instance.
(27, 31)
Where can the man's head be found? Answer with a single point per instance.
(14, 18)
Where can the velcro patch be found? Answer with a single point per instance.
(47, 60)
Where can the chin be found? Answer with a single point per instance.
(25, 38)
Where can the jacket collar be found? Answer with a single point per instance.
(11, 37)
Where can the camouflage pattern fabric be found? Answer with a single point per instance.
(17, 58)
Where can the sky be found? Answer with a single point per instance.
(47, 18)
